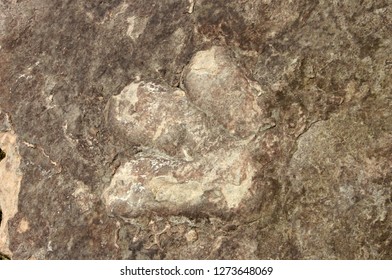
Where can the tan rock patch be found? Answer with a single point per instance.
(10, 184)
(23, 226)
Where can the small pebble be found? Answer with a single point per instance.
(191, 236)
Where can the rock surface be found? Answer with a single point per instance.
(196, 130)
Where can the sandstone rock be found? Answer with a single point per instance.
(195, 129)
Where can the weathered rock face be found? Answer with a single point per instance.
(195, 129)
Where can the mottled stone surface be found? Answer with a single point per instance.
(199, 129)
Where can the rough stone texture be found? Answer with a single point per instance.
(199, 129)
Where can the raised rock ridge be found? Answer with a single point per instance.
(195, 153)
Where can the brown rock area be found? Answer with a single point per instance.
(181, 129)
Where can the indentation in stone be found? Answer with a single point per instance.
(2, 154)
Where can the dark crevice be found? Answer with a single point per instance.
(4, 257)
(2, 154)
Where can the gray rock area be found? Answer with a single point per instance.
(195, 129)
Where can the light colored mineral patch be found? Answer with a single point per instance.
(23, 226)
(136, 26)
(191, 236)
(83, 197)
